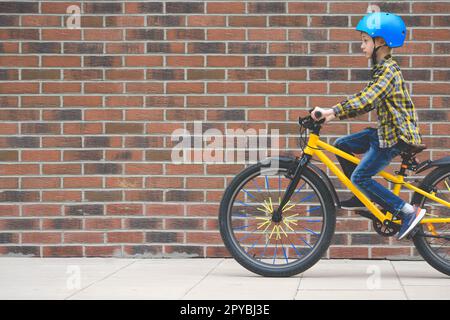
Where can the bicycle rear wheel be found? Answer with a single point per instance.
(432, 241)
(281, 249)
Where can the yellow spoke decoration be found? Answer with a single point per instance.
(289, 220)
(448, 188)
(431, 215)
(263, 210)
(268, 206)
(288, 208)
(276, 229)
(264, 222)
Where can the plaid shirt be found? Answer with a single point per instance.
(386, 91)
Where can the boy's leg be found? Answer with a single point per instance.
(356, 143)
(374, 161)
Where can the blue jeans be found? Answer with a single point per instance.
(375, 159)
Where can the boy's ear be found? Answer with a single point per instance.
(379, 41)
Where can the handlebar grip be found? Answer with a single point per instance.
(318, 114)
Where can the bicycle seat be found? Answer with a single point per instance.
(409, 149)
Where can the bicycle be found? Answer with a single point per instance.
(275, 226)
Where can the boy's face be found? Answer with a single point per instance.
(367, 45)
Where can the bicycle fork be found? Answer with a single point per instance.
(304, 160)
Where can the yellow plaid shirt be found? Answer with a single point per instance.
(387, 92)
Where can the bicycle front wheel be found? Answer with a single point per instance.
(276, 249)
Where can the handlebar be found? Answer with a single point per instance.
(309, 123)
(318, 114)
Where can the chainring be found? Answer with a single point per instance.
(385, 230)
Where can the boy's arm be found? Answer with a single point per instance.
(368, 98)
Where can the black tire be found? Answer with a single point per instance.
(327, 229)
(420, 242)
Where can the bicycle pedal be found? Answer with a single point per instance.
(412, 233)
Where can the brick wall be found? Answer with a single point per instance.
(87, 114)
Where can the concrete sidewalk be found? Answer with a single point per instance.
(210, 279)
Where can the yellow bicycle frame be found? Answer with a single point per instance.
(314, 147)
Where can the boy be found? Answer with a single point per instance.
(397, 119)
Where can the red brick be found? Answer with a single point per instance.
(41, 238)
(82, 101)
(61, 87)
(203, 210)
(19, 88)
(430, 34)
(430, 88)
(125, 237)
(206, 21)
(267, 88)
(61, 61)
(225, 7)
(164, 209)
(266, 34)
(125, 74)
(143, 87)
(19, 61)
(40, 101)
(204, 237)
(82, 182)
(103, 87)
(430, 7)
(389, 253)
(164, 182)
(307, 88)
(225, 34)
(83, 237)
(219, 87)
(143, 61)
(57, 7)
(307, 8)
(103, 251)
(61, 196)
(19, 169)
(61, 34)
(41, 21)
(38, 155)
(62, 251)
(7, 210)
(124, 101)
(185, 61)
(349, 252)
(41, 210)
(185, 87)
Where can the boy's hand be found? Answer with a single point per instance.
(328, 114)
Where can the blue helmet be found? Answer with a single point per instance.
(388, 26)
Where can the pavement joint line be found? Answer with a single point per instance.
(298, 287)
(203, 278)
(399, 280)
(100, 280)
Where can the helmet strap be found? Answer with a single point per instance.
(374, 52)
